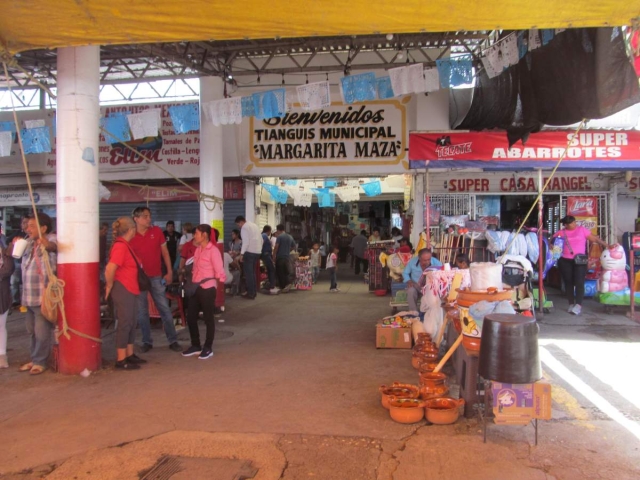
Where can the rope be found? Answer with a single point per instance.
(12, 62)
(202, 197)
(53, 297)
(546, 184)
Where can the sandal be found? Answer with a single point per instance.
(26, 367)
(36, 370)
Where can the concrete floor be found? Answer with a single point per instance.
(293, 386)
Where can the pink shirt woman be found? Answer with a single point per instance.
(573, 274)
(207, 265)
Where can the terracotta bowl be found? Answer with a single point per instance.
(443, 411)
(433, 385)
(406, 410)
(399, 391)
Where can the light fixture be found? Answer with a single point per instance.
(389, 36)
(400, 55)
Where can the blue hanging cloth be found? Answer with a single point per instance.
(547, 35)
(359, 88)
(118, 128)
(320, 191)
(248, 109)
(455, 71)
(291, 183)
(270, 104)
(523, 44)
(282, 196)
(330, 182)
(372, 189)
(9, 127)
(185, 118)
(326, 200)
(384, 88)
(36, 140)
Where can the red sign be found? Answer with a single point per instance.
(582, 206)
(541, 148)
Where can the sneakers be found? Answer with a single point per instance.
(189, 352)
(570, 310)
(286, 289)
(126, 365)
(175, 346)
(206, 353)
(274, 291)
(334, 290)
(135, 359)
(146, 347)
(577, 309)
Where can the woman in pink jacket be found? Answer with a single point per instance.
(208, 270)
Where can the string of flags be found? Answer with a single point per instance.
(363, 87)
(302, 195)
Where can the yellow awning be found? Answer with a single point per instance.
(31, 24)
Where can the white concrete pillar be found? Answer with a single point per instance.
(418, 206)
(77, 126)
(211, 157)
(250, 201)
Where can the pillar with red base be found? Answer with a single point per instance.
(211, 154)
(77, 160)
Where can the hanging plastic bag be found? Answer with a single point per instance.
(556, 249)
(533, 249)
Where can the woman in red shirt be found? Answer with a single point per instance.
(208, 270)
(122, 283)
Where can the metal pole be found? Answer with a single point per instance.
(427, 207)
(540, 245)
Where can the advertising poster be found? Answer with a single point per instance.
(585, 209)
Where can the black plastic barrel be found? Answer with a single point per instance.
(509, 349)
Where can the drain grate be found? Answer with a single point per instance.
(193, 468)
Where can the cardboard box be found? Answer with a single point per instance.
(390, 337)
(518, 404)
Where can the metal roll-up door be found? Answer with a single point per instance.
(232, 208)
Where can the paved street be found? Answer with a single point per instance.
(293, 388)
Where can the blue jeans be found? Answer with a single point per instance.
(315, 271)
(267, 258)
(249, 261)
(160, 299)
(41, 332)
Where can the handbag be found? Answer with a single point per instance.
(578, 259)
(144, 282)
(190, 287)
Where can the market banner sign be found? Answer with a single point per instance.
(520, 182)
(13, 197)
(368, 134)
(592, 149)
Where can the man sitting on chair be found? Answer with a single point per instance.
(413, 273)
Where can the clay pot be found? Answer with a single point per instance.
(466, 297)
(406, 410)
(399, 391)
(426, 348)
(433, 385)
(471, 345)
(423, 337)
(427, 366)
(419, 357)
(443, 411)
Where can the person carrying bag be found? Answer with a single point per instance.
(573, 261)
(208, 270)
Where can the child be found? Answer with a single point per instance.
(332, 266)
(314, 255)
